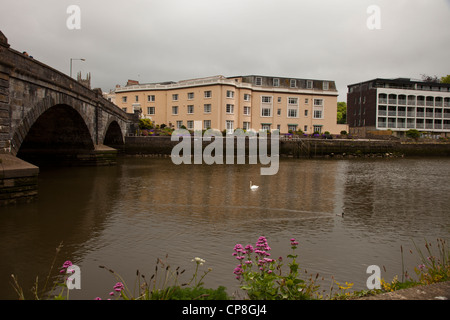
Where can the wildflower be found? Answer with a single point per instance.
(98, 298)
(198, 260)
(118, 286)
(421, 266)
(66, 265)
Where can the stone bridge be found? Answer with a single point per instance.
(48, 117)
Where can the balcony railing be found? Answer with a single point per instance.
(429, 114)
(419, 125)
(382, 112)
(401, 113)
(446, 115)
(382, 124)
(392, 101)
(411, 114)
(382, 100)
(420, 114)
(420, 102)
(402, 102)
(392, 113)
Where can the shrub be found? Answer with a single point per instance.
(413, 134)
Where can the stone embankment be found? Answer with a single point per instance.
(308, 148)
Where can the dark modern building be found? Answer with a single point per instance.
(399, 105)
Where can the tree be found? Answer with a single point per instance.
(427, 78)
(145, 124)
(413, 134)
(341, 112)
(445, 79)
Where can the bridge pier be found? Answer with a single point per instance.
(18, 180)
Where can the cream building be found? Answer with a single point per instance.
(228, 103)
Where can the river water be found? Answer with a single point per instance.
(127, 216)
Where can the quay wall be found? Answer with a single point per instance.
(300, 148)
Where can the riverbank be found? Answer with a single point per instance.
(434, 291)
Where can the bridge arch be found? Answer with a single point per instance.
(71, 110)
(55, 130)
(113, 135)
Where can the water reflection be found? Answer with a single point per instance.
(144, 208)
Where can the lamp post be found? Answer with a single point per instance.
(71, 59)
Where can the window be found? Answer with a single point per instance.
(190, 109)
(190, 95)
(246, 125)
(266, 112)
(124, 99)
(151, 110)
(317, 129)
(306, 113)
(230, 94)
(175, 110)
(258, 81)
(306, 101)
(208, 94)
(265, 126)
(276, 82)
(246, 97)
(292, 108)
(124, 109)
(230, 108)
(207, 108)
(230, 125)
(293, 101)
(136, 98)
(293, 83)
(266, 106)
(190, 124)
(318, 109)
(325, 85)
(246, 110)
(175, 97)
(207, 124)
(179, 124)
(151, 98)
(318, 102)
(309, 84)
(279, 99)
(292, 113)
(266, 99)
(279, 112)
(305, 128)
(292, 127)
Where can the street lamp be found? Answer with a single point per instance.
(71, 59)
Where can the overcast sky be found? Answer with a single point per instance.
(161, 40)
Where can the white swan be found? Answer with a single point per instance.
(253, 187)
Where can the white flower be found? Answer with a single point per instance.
(198, 260)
